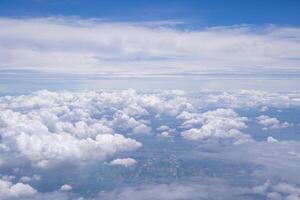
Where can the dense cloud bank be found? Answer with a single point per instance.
(90, 46)
(45, 131)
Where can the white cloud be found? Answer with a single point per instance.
(286, 189)
(278, 191)
(271, 140)
(271, 122)
(28, 179)
(93, 125)
(46, 127)
(8, 177)
(8, 190)
(126, 162)
(21, 191)
(163, 128)
(89, 46)
(207, 189)
(217, 124)
(277, 160)
(66, 187)
(126, 122)
(165, 134)
(252, 99)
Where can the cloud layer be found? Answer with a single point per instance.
(57, 126)
(95, 46)
(63, 145)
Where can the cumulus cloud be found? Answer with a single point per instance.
(45, 128)
(97, 46)
(271, 140)
(278, 191)
(123, 121)
(57, 127)
(252, 99)
(25, 179)
(21, 191)
(66, 187)
(271, 122)
(220, 123)
(165, 134)
(126, 162)
(9, 190)
(94, 125)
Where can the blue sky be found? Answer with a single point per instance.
(199, 12)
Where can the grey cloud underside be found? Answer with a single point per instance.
(155, 145)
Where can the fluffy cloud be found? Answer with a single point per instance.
(54, 126)
(278, 191)
(271, 122)
(58, 127)
(252, 99)
(21, 191)
(89, 46)
(220, 123)
(94, 125)
(25, 179)
(126, 162)
(66, 187)
(8, 190)
(271, 140)
(44, 128)
(125, 122)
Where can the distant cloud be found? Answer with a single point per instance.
(104, 47)
(207, 189)
(217, 124)
(252, 99)
(29, 179)
(271, 140)
(126, 162)
(278, 191)
(8, 190)
(66, 187)
(271, 122)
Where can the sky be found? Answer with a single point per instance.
(166, 40)
(149, 100)
(200, 13)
